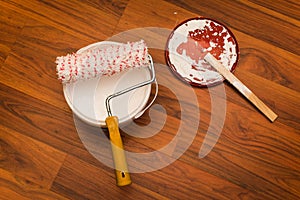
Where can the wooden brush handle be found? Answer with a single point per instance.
(121, 169)
(240, 87)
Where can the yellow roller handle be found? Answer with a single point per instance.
(121, 169)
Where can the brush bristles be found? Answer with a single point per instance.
(102, 61)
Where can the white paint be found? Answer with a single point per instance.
(242, 88)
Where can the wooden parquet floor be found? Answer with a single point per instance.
(42, 156)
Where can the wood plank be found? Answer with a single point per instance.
(249, 159)
(252, 159)
(161, 186)
(265, 60)
(289, 8)
(80, 180)
(245, 147)
(15, 187)
(31, 65)
(27, 158)
(237, 15)
(254, 57)
(40, 121)
(261, 74)
(250, 135)
(241, 87)
(249, 146)
(11, 25)
(276, 96)
(153, 14)
(76, 18)
(254, 52)
(115, 8)
(182, 181)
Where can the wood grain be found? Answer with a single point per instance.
(48, 153)
(244, 90)
(13, 186)
(10, 27)
(94, 187)
(28, 158)
(260, 24)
